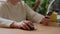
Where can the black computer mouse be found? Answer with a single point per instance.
(31, 28)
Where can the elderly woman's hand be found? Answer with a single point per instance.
(45, 20)
(23, 24)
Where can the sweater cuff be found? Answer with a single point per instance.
(38, 17)
(5, 22)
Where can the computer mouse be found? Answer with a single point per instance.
(31, 28)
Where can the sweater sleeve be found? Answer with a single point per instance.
(32, 15)
(5, 22)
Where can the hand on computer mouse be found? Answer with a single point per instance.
(25, 25)
(31, 28)
(28, 25)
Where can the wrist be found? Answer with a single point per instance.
(12, 25)
(15, 25)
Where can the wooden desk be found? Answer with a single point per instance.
(40, 30)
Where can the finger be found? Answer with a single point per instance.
(47, 20)
(29, 22)
(23, 26)
(46, 23)
(43, 21)
(27, 27)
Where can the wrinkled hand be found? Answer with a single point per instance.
(45, 21)
(27, 25)
(24, 24)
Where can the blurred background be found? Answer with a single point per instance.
(43, 6)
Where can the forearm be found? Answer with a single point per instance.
(5, 22)
(12, 25)
(15, 25)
